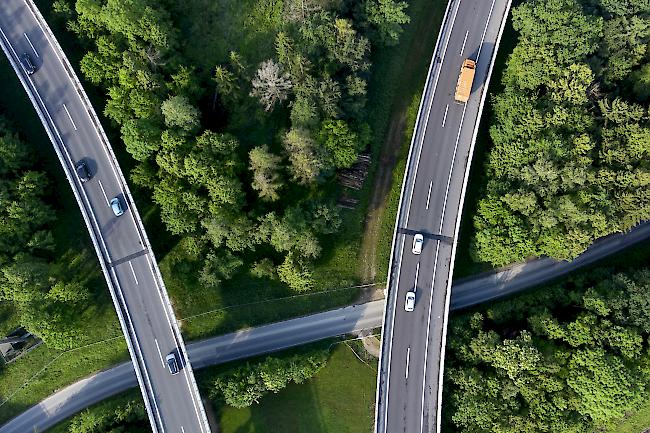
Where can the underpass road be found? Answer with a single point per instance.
(131, 266)
(413, 342)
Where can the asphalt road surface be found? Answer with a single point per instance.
(130, 266)
(294, 332)
(413, 343)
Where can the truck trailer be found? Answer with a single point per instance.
(465, 80)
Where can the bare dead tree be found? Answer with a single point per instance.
(154, 56)
(300, 10)
(270, 85)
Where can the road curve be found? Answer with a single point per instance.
(411, 364)
(125, 255)
(277, 336)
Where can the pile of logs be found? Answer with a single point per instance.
(347, 202)
(354, 176)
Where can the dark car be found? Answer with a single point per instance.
(172, 363)
(83, 172)
(27, 63)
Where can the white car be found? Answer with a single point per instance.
(116, 206)
(409, 304)
(418, 241)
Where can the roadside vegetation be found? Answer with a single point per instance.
(48, 294)
(570, 132)
(573, 357)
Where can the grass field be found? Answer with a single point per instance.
(339, 399)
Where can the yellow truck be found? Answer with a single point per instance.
(465, 80)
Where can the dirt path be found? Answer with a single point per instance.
(377, 205)
(427, 16)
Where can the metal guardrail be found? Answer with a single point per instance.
(407, 184)
(92, 224)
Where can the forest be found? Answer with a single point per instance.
(240, 157)
(48, 293)
(569, 161)
(570, 358)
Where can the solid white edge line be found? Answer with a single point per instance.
(171, 329)
(480, 47)
(443, 343)
(139, 354)
(98, 129)
(69, 117)
(426, 119)
(31, 45)
(85, 206)
(203, 421)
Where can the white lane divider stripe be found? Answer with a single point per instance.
(462, 50)
(69, 117)
(480, 47)
(103, 192)
(162, 360)
(30, 44)
(417, 271)
(133, 272)
(444, 119)
(429, 194)
(408, 358)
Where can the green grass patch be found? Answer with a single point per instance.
(387, 223)
(637, 422)
(339, 399)
(54, 370)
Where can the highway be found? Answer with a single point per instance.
(294, 332)
(409, 383)
(123, 250)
